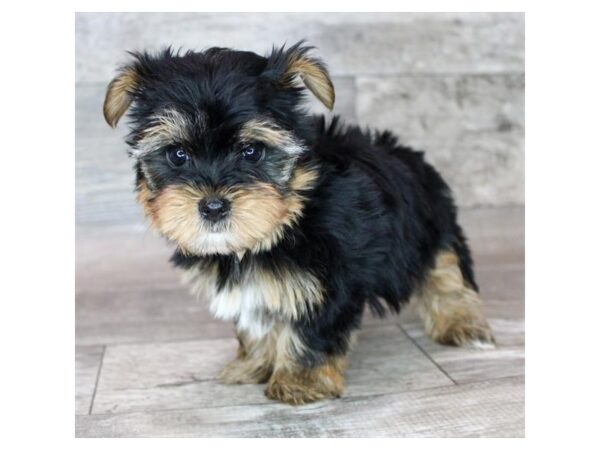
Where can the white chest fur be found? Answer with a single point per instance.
(260, 298)
(247, 306)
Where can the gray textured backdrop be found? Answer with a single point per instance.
(450, 84)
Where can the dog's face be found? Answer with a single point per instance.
(219, 137)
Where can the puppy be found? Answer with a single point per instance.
(288, 225)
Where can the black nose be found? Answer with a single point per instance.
(213, 209)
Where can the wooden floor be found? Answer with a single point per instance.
(147, 353)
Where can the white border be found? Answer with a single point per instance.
(562, 219)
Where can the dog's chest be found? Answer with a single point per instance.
(259, 296)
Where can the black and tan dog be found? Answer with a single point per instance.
(288, 225)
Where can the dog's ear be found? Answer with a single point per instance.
(286, 66)
(119, 95)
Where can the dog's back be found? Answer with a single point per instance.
(385, 208)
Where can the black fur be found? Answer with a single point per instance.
(371, 229)
(372, 225)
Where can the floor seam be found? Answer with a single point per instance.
(97, 380)
(427, 355)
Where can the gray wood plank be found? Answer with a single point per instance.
(141, 305)
(383, 361)
(503, 284)
(113, 258)
(388, 43)
(144, 314)
(465, 365)
(179, 375)
(470, 127)
(485, 409)
(127, 291)
(496, 235)
(150, 331)
(104, 176)
(87, 364)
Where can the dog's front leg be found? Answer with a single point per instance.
(254, 360)
(298, 378)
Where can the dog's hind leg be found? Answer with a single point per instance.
(450, 307)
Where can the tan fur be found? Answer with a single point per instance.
(298, 386)
(264, 131)
(254, 362)
(451, 310)
(258, 358)
(303, 180)
(174, 213)
(256, 212)
(275, 358)
(118, 96)
(268, 132)
(287, 295)
(259, 215)
(289, 349)
(168, 127)
(314, 77)
(144, 197)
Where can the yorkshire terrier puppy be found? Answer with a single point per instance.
(288, 225)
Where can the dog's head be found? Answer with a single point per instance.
(219, 138)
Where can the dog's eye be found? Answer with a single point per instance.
(252, 152)
(177, 156)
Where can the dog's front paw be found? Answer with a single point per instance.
(298, 389)
(242, 371)
(294, 394)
